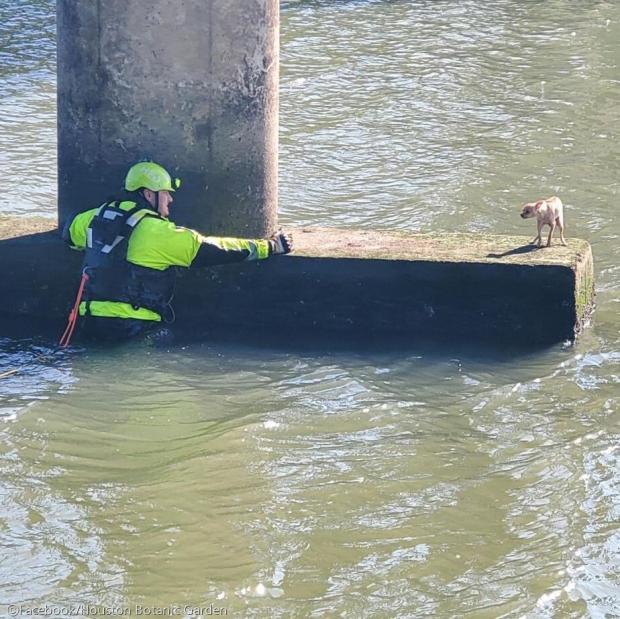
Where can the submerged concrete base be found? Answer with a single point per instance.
(341, 283)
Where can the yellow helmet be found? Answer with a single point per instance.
(150, 175)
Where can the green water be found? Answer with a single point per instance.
(274, 481)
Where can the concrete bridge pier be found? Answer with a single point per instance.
(192, 84)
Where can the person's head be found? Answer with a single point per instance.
(155, 184)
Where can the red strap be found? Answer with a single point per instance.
(73, 314)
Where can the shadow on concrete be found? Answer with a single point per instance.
(524, 249)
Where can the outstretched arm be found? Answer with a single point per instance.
(159, 244)
(223, 250)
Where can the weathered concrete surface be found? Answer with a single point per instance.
(343, 282)
(192, 84)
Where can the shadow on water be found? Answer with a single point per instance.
(430, 347)
(180, 341)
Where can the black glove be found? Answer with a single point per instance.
(280, 243)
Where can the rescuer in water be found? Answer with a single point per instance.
(131, 251)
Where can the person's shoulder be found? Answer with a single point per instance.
(125, 205)
(163, 231)
(159, 243)
(87, 213)
(81, 218)
(162, 225)
(152, 221)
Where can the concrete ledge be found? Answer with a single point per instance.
(346, 283)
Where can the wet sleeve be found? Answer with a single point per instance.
(222, 250)
(74, 232)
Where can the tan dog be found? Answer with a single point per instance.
(548, 212)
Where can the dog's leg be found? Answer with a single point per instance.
(552, 228)
(538, 239)
(560, 223)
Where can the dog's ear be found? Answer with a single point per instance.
(538, 205)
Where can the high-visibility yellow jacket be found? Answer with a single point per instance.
(135, 279)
